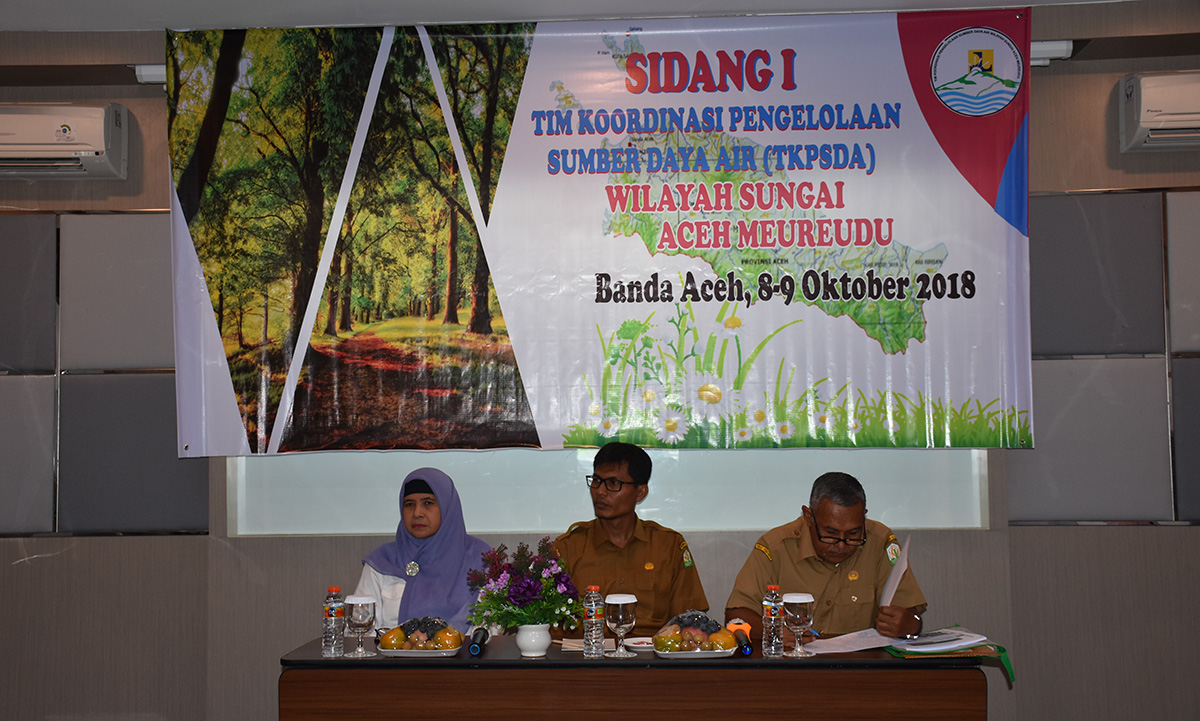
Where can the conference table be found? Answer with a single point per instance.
(499, 684)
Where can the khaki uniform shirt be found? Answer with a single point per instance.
(847, 595)
(655, 565)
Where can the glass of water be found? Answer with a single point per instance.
(620, 611)
(360, 618)
(797, 614)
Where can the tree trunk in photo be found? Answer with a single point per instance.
(346, 320)
(481, 315)
(451, 315)
(331, 302)
(309, 252)
(221, 309)
(225, 74)
(431, 306)
(266, 317)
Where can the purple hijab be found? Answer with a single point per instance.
(440, 587)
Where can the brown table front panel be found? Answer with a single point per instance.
(659, 693)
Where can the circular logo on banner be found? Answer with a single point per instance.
(976, 71)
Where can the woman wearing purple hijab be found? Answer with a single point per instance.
(424, 571)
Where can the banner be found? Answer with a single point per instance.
(707, 233)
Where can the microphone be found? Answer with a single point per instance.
(741, 632)
(479, 639)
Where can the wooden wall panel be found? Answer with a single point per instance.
(111, 48)
(1106, 622)
(1115, 19)
(148, 182)
(106, 628)
(1073, 131)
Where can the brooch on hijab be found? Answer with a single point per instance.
(412, 568)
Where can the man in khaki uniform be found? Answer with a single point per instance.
(839, 556)
(622, 553)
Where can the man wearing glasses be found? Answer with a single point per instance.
(622, 553)
(839, 556)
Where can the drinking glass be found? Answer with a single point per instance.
(797, 614)
(360, 618)
(620, 613)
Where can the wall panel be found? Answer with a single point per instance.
(26, 454)
(28, 268)
(1096, 274)
(1101, 450)
(118, 468)
(1183, 260)
(115, 292)
(1185, 392)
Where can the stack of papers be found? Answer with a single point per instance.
(941, 641)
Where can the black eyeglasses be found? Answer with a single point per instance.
(834, 540)
(612, 484)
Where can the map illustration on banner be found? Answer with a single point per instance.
(710, 233)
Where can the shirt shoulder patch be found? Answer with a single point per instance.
(892, 548)
(687, 557)
(765, 551)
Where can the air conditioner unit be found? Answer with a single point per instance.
(1160, 111)
(43, 142)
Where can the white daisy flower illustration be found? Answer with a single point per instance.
(757, 416)
(608, 426)
(649, 397)
(729, 327)
(671, 426)
(711, 398)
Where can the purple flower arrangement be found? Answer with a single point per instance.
(528, 589)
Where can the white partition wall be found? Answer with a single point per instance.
(531, 491)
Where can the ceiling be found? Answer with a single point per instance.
(89, 15)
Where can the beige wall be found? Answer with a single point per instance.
(1099, 621)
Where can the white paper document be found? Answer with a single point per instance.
(846, 643)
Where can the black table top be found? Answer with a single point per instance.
(502, 652)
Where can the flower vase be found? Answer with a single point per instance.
(533, 640)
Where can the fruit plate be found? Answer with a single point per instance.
(641, 643)
(416, 653)
(695, 654)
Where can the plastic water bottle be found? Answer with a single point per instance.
(334, 628)
(593, 623)
(772, 623)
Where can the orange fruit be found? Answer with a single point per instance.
(448, 637)
(723, 639)
(393, 639)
